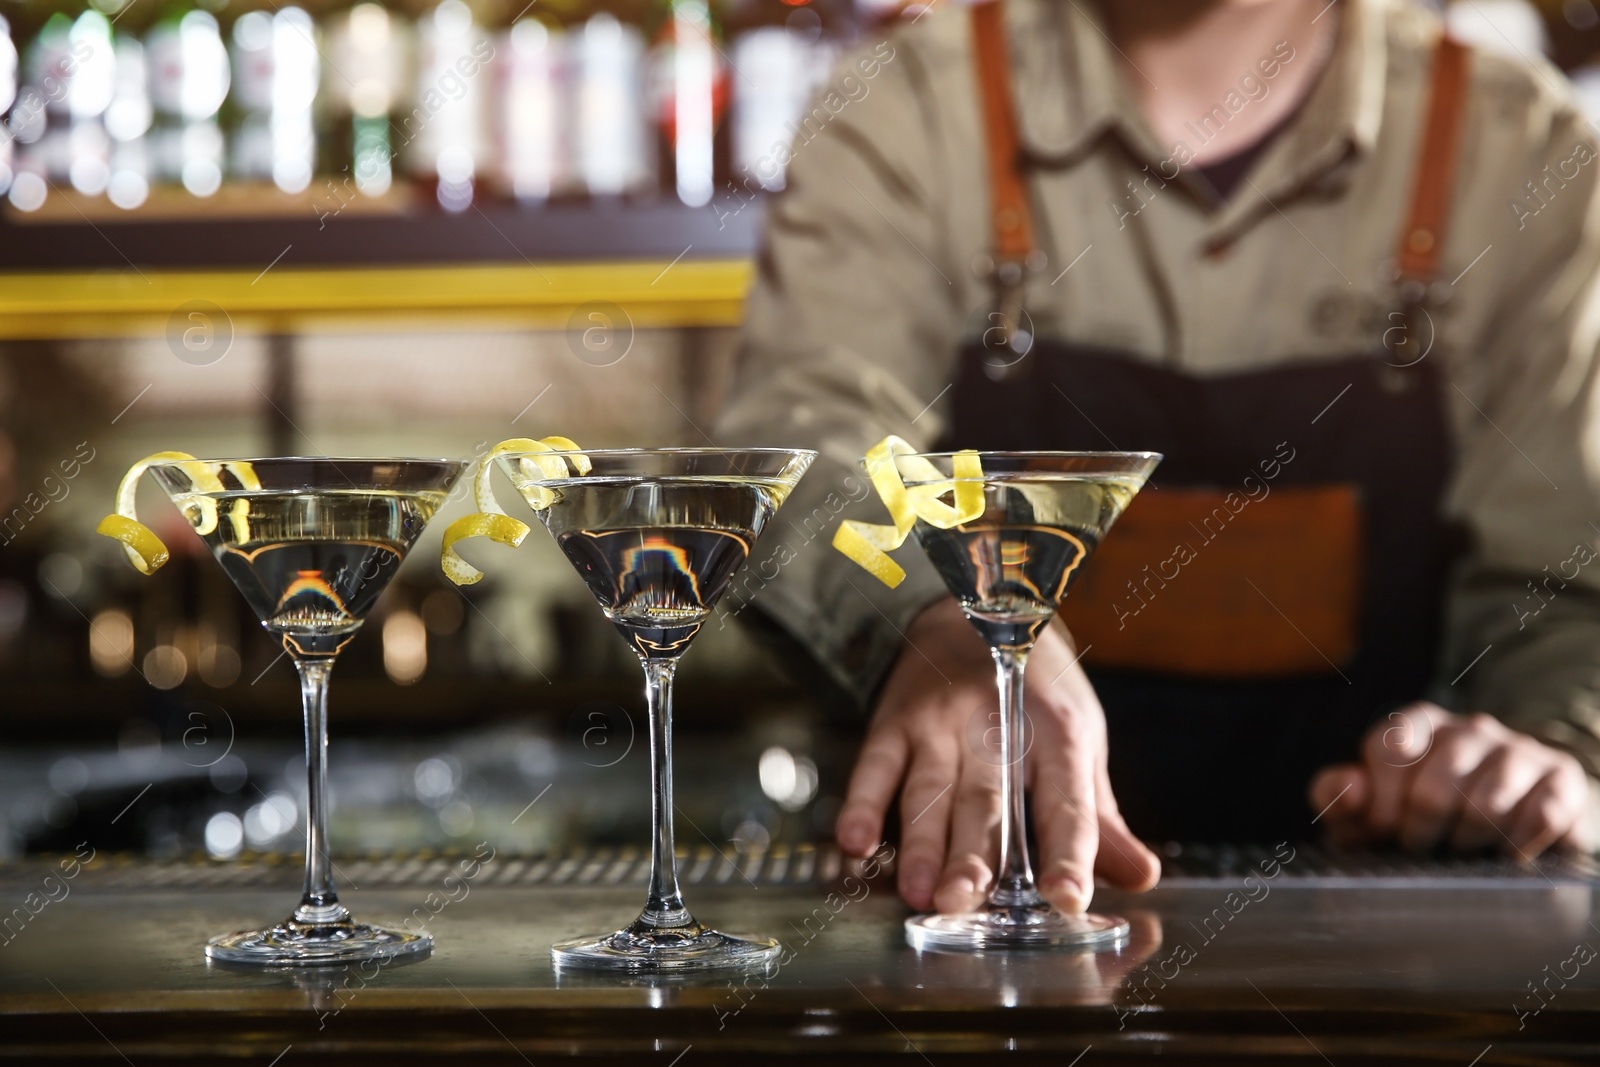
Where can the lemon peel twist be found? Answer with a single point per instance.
(888, 463)
(144, 549)
(491, 520)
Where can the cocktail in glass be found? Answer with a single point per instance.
(657, 535)
(1043, 515)
(311, 543)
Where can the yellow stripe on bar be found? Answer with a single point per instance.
(130, 302)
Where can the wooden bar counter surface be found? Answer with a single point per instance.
(1325, 961)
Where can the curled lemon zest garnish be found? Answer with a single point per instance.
(245, 471)
(207, 479)
(888, 464)
(144, 549)
(501, 529)
(491, 520)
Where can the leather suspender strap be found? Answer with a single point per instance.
(1422, 237)
(1011, 219)
(1008, 211)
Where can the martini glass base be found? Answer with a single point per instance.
(665, 951)
(297, 944)
(1004, 929)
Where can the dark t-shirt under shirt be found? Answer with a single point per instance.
(1225, 175)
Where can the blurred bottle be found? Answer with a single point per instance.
(630, 97)
(370, 48)
(276, 68)
(48, 66)
(690, 92)
(127, 121)
(70, 71)
(444, 134)
(783, 52)
(605, 75)
(250, 94)
(90, 79)
(8, 96)
(43, 139)
(534, 151)
(189, 79)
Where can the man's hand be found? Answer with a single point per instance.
(926, 745)
(1428, 776)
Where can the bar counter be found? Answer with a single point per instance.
(1328, 960)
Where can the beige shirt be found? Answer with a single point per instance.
(868, 287)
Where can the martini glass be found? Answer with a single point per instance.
(1044, 514)
(311, 543)
(657, 535)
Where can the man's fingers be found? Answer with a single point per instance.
(925, 806)
(1431, 774)
(964, 885)
(1492, 792)
(1433, 802)
(873, 785)
(1340, 792)
(1339, 797)
(974, 839)
(1392, 751)
(1067, 820)
(1548, 811)
(1122, 859)
(1581, 835)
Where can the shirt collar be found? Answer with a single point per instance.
(1070, 88)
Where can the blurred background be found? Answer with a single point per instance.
(234, 227)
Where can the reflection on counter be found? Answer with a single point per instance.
(531, 788)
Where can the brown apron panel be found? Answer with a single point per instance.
(1277, 581)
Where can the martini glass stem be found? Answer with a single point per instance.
(1014, 888)
(664, 908)
(320, 903)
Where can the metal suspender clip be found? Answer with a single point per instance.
(1008, 329)
(1008, 332)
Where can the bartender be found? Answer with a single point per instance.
(1331, 264)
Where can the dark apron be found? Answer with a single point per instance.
(1210, 760)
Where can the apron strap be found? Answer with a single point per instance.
(1011, 218)
(1421, 242)
(1010, 214)
(1422, 237)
